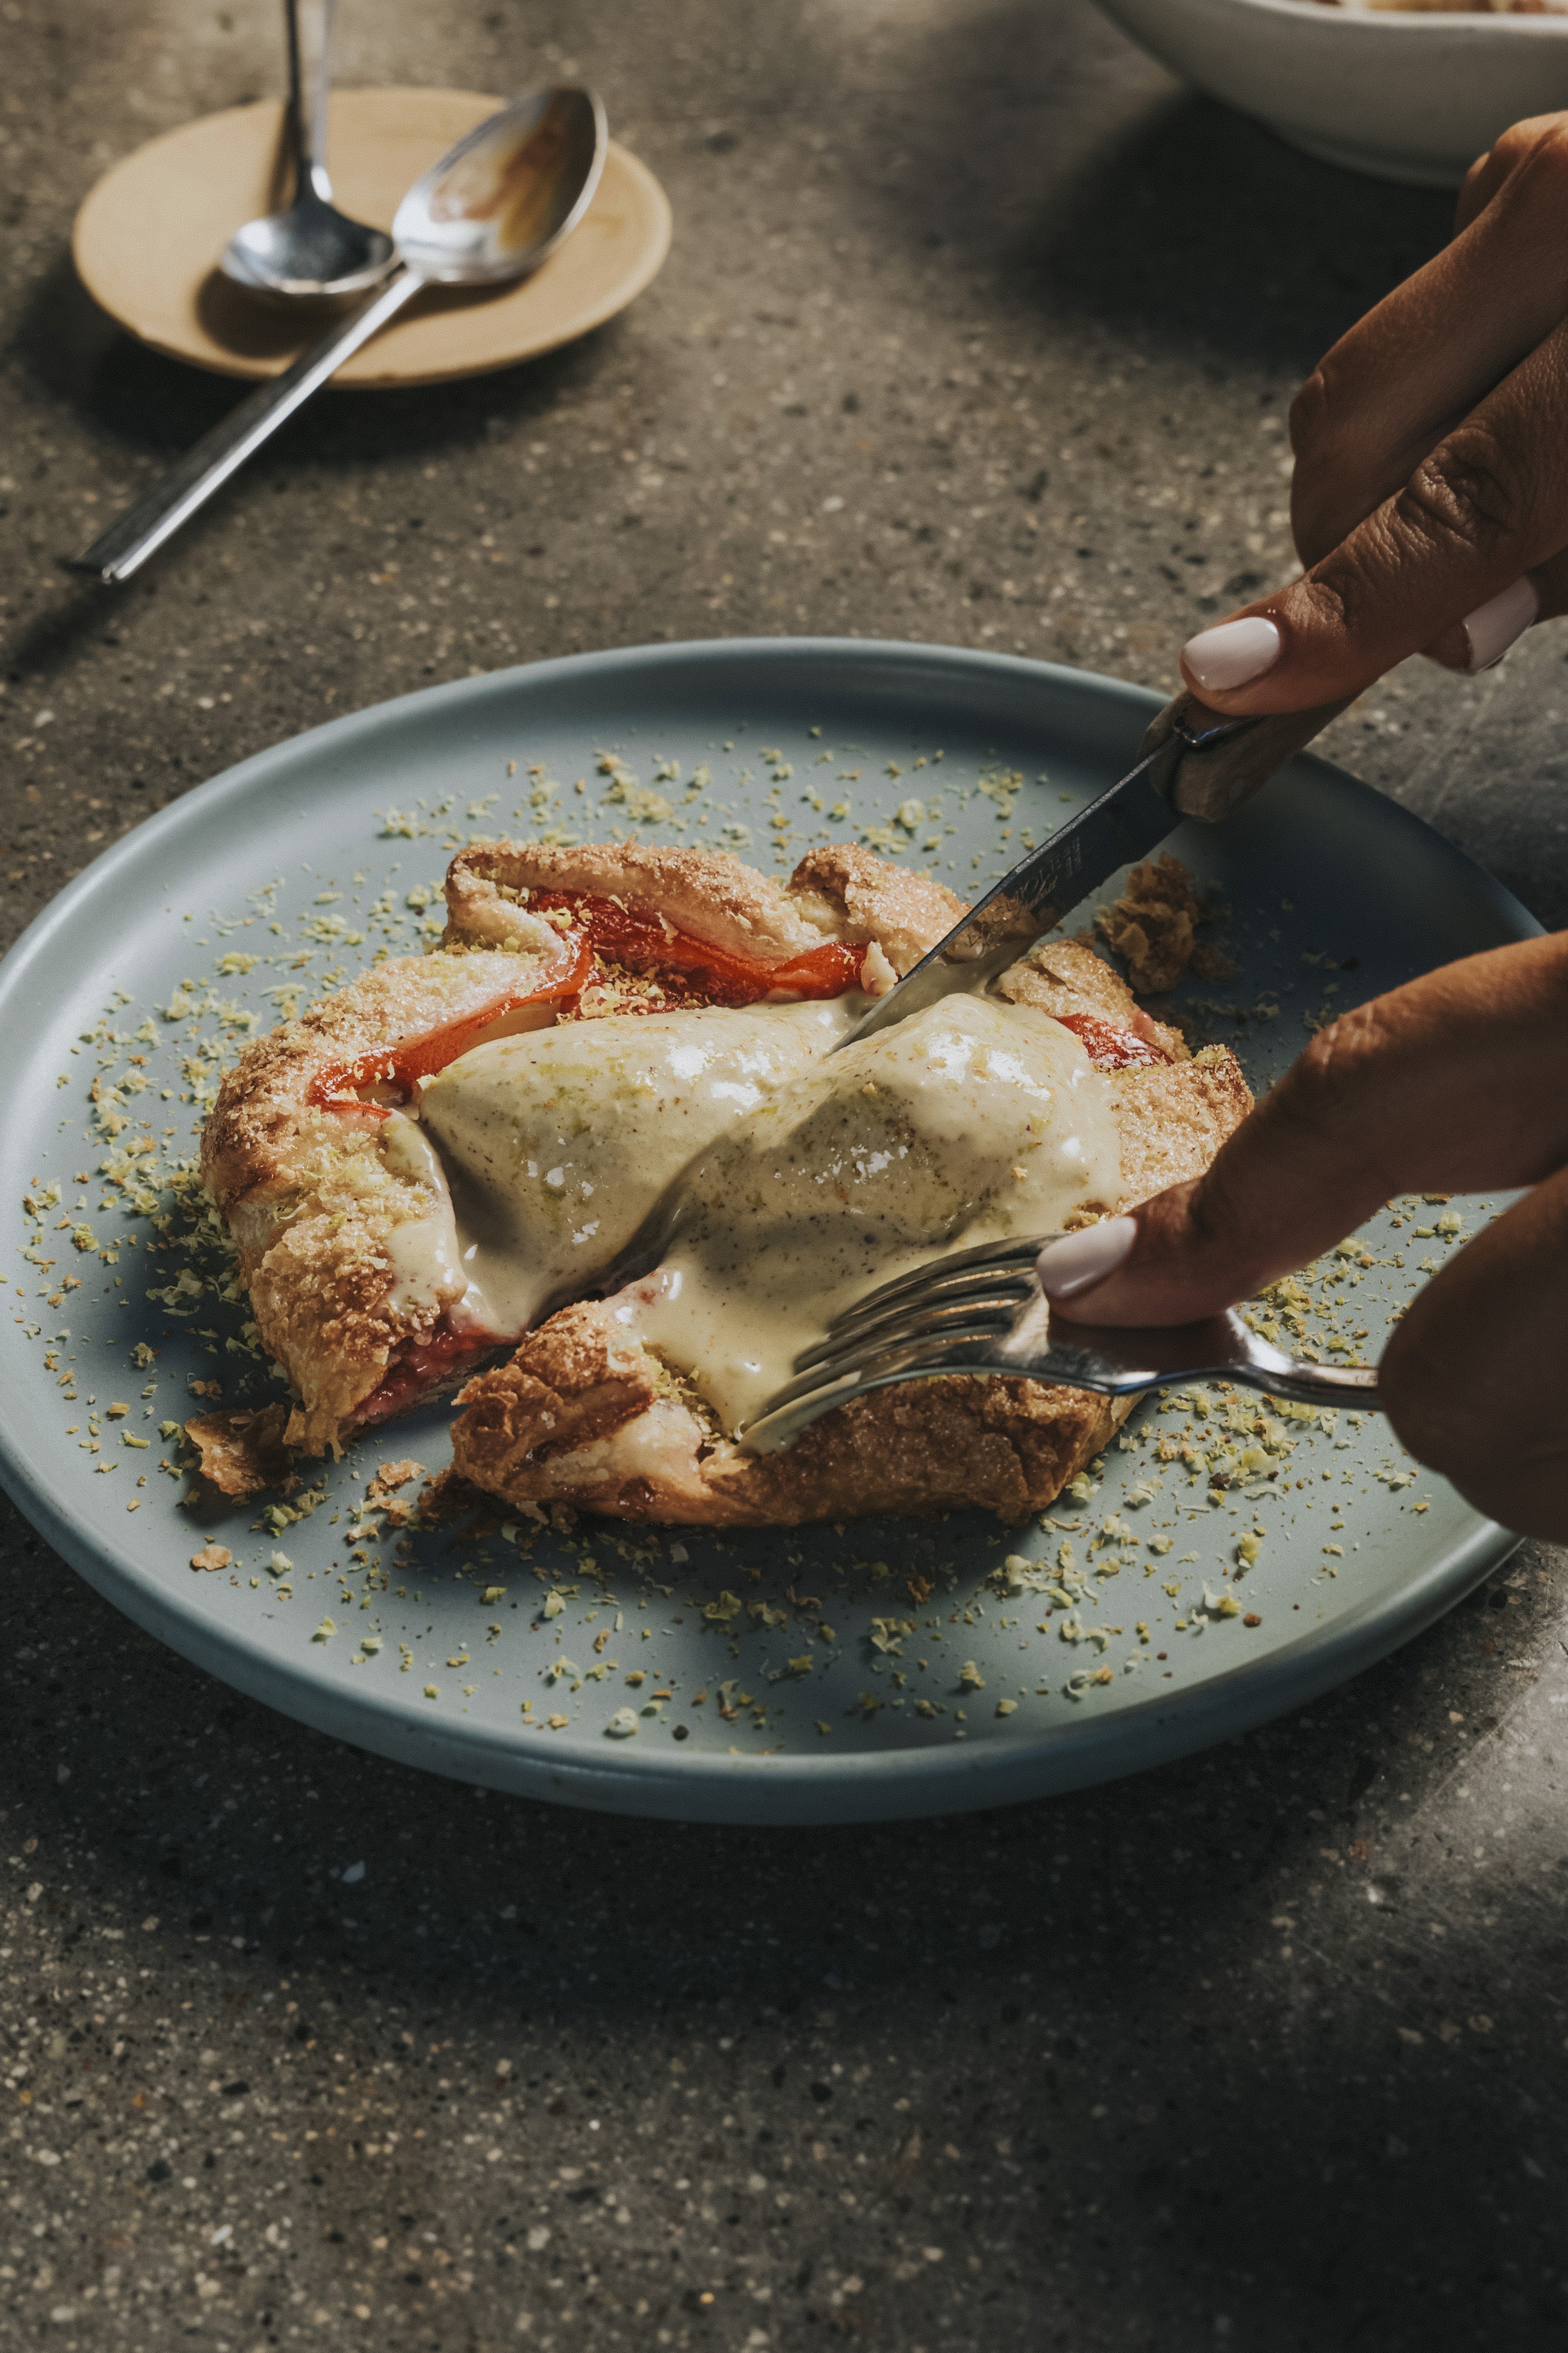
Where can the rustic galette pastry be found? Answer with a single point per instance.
(435, 1169)
(320, 1157)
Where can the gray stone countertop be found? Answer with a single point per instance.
(1263, 2050)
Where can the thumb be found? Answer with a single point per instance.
(1458, 1081)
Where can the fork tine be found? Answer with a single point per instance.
(1001, 1258)
(928, 1328)
(1014, 1283)
(937, 1282)
(988, 1310)
(802, 1402)
(927, 1338)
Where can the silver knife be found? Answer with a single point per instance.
(1193, 763)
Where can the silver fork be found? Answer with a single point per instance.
(982, 1311)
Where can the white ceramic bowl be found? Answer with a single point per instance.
(1409, 97)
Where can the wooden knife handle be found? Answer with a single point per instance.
(1210, 780)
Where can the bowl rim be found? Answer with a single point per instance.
(1407, 23)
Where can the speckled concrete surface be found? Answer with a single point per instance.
(975, 329)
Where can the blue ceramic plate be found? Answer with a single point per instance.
(886, 1669)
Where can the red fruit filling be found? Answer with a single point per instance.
(421, 1369)
(693, 970)
(335, 1088)
(1111, 1045)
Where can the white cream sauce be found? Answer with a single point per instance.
(811, 1176)
(427, 1268)
(557, 1144)
(964, 1123)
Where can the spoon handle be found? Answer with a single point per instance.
(158, 514)
(309, 27)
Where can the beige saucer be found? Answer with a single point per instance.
(147, 240)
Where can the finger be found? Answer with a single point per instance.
(1488, 171)
(1475, 1378)
(1482, 638)
(1416, 366)
(1488, 505)
(1456, 1082)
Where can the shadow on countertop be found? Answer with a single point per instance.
(1207, 232)
(155, 407)
(1254, 2039)
(1175, 218)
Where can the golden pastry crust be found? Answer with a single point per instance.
(242, 1452)
(1153, 928)
(264, 1123)
(862, 897)
(306, 1188)
(310, 1195)
(584, 1414)
(1173, 1117)
(1065, 977)
(839, 893)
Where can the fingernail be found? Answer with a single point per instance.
(1492, 627)
(1234, 654)
(1080, 1260)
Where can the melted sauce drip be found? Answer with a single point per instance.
(693, 971)
(335, 1088)
(1109, 1045)
(971, 1122)
(560, 1141)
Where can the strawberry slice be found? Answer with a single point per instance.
(640, 941)
(336, 1087)
(1111, 1045)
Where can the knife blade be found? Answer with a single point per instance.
(1193, 762)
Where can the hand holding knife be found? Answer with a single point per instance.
(1193, 763)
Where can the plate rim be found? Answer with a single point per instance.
(803, 1789)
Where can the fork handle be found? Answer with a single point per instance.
(1305, 1383)
(1157, 1359)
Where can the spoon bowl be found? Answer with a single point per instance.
(500, 201)
(493, 208)
(310, 248)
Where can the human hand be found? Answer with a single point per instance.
(1455, 1083)
(1430, 498)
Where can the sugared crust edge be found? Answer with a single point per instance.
(583, 1414)
(263, 1121)
(308, 1196)
(580, 1415)
(842, 893)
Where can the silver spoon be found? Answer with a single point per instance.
(312, 249)
(489, 212)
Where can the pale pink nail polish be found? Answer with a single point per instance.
(1492, 627)
(1234, 654)
(1078, 1261)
